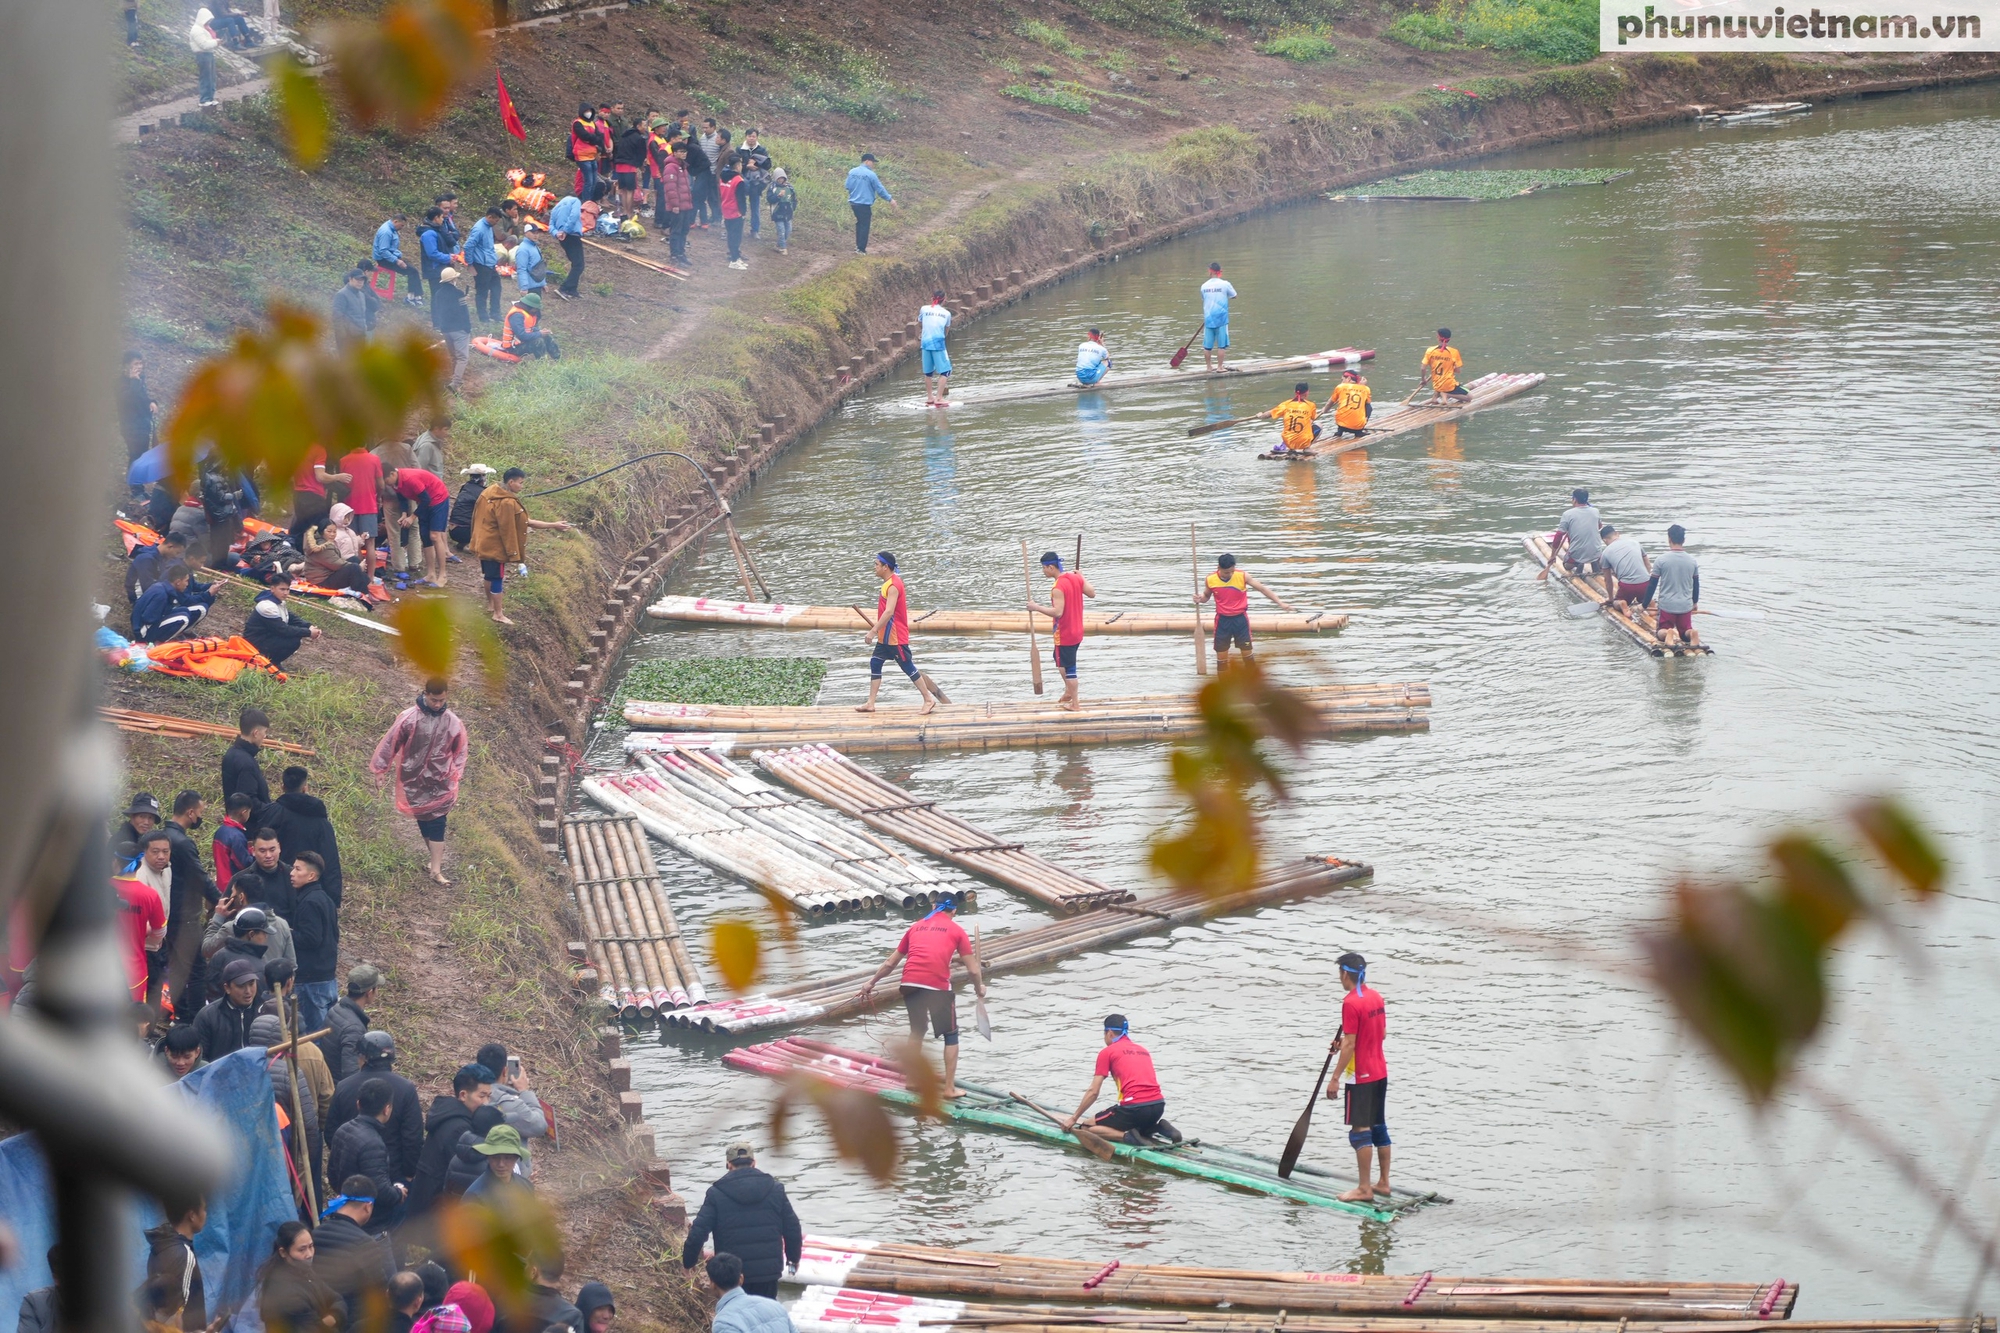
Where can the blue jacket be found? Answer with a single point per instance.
(437, 250)
(740, 1312)
(144, 572)
(160, 601)
(567, 216)
(863, 187)
(526, 255)
(479, 245)
(448, 234)
(388, 244)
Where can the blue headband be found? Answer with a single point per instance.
(1360, 974)
(339, 1201)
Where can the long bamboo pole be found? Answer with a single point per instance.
(594, 932)
(649, 963)
(715, 611)
(634, 839)
(670, 992)
(290, 1006)
(1034, 648)
(1200, 647)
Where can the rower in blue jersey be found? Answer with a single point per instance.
(1093, 362)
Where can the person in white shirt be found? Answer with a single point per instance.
(1216, 294)
(1092, 360)
(934, 320)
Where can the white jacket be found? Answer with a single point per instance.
(200, 39)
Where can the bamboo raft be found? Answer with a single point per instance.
(827, 776)
(1402, 418)
(1639, 624)
(1101, 927)
(1341, 709)
(723, 842)
(778, 615)
(714, 781)
(642, 964)
(992, 1108)
(186, 728)
(1331, 359)
(1413, 1302)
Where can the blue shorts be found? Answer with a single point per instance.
(433, 519)
(1091, 376)
(936, 362)
(495, 574)
(899, 653)
(1066, 659)
(1214, 336)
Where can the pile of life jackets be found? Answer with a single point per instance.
(526, 189)
(220, 660)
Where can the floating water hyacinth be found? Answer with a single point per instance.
(1477, 186)
(724, 680)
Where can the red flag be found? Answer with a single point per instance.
(508, 116)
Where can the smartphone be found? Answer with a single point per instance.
(513, 1066)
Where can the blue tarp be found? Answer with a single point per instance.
(243, 1215)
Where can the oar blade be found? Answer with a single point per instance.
(1578, 610)
(980, 1021)
(1295, 1145)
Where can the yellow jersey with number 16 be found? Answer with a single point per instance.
(1297, 417)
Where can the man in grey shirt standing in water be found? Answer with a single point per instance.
(1578, 529)
(1677, 585)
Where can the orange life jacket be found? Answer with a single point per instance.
(528, 321)
(531, 198)
(221, 660)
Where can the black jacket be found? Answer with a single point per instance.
(223, 1028)
(232, 949)
(404, 1134)
(171, 1258)
(293, 1299)
(276, 638)
(316, 934)
(467, 1165)
(759, 155)
(135, 415)
(268, 888)
(302, 825)
(448, 312)
(550, 1308)
(750, 1217)
(461, 508)
(448, 1119)
(192, 888)
(342, 1046)
(358, 1149)
(242, 772)
(354, 1263)
(628, 147)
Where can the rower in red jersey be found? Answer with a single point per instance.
(1065, 607)
(1138, 1115)
(889, 636)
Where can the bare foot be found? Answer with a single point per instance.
(953, 1094)
(1070, 708)
(927, 709)
(502, 620)
(437, 878)
(1359, 1194)
(865, 708)
(1383, 1192)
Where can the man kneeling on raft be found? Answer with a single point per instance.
(927, 949)
(1139, 1114)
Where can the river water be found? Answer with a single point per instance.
(1781, 337)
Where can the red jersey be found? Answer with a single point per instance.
(139, 915)
(1231, 592)
(1362, 1016)
(366, 469)
(1069, 625)
(304, 479)
(413, 483)
(898, 628)
(928, 948)
(732, 198)
(1131, 1067)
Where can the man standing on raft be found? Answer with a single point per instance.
(1216, 295)
(1363, 1021)
(889, 636)
(1230, 587)
(1139, 1113)
(927, 949)
(1066, 609)
(1441, 365)
(932, 323)
(1092, 360)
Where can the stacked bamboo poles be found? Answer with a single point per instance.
(1638, 623)
(830, 777)
(1101, 927)
(719, 840)
(636, 943)
(165, 724)
(721, 785)
(922, 1270)
(770, 615)
(1340, 709)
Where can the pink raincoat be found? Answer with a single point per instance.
(427, 752)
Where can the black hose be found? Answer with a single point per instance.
(664, 453)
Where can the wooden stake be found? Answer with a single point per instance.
(1200, 647)
(1034, 646)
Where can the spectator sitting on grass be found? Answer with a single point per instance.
(149, 562)
(170, 608)
(272, 629)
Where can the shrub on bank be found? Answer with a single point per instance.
(1558, 31)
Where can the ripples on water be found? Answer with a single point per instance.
(1780, 337)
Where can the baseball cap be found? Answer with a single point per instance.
(241, 970)
(739, 1151)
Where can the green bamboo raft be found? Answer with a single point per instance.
(996, 1109)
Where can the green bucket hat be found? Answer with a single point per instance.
(532, 301)
(501, 1140)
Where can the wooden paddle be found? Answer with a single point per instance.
(1034, 645)
(1097, 1146)
(1218, 425)
(1200, 646)
(1180, 356)
(1079, 553)
(980, 1022)
(1297, 1142)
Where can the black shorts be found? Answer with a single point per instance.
(938, 1008)
(1341, 432)
(1142, 1116)
(1367, 1104)
(432, 829)
(1066, 659)
(1232, 629)
(899, 653)
(494, 572)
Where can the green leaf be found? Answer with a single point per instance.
(302, 110)
(1901, 842)
(1815, 883)
(425, 626)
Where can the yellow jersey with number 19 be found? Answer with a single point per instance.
(1349, 405)
(1443, 364)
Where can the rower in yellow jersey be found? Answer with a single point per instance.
(1298, 418)
(1352, 404)
(1441, 366)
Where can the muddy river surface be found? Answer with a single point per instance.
(1783, 338)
